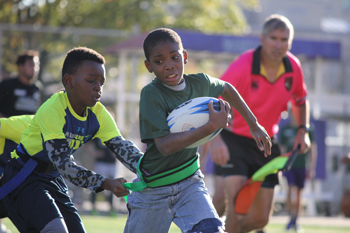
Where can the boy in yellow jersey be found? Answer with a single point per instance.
(10, 135)
(43, 158)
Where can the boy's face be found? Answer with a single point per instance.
(84, 88)
(166, 61)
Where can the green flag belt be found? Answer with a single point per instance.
(169, 177)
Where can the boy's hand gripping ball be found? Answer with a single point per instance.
(192, 114)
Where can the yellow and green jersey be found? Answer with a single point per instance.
(10, 134)
(56, 119)
(56, 132)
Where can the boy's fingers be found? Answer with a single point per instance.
(222, 105)
(122, 180)
(227, 106)
(210, 106)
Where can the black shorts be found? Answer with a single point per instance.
(3, 211)
(246, 158)
(38, 200)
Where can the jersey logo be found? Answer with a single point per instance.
(81, 129)
(255, 84)
(288, 82)
(75, 140)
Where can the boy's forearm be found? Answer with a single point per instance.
(175, 142)
(58, 152)
(231, 95)
(106, 184)
(125, 151)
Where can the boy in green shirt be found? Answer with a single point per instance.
(185, 201)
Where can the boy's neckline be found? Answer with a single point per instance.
(82, 118)
(178, 87)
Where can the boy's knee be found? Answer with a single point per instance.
(209, 225)
(261, 221)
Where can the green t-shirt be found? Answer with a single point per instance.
(156, 102)
(287, 139)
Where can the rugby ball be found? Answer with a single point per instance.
(192, 114)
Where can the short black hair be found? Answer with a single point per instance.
(29, 54)
(75, 58)
(160, 35)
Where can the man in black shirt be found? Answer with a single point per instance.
(21, 95)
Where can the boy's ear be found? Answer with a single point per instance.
(148, 66)
(67, 80)
(185, 56)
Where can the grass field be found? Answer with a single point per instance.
(97, 224)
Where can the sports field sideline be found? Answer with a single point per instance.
(102, 224)
(106, 224)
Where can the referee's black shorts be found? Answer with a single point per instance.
(246, 158)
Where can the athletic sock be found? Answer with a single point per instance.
(291, 223)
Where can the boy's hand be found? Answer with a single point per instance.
(219, 119)
(262, 139)
(116, 187)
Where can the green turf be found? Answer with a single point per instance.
(100, 224)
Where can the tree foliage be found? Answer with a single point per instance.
(210, 16)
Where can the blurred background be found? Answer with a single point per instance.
(214, 33)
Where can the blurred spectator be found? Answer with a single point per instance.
(346, 159)
(4, 74)
(345, 203)
(303, 167)
(21, 95)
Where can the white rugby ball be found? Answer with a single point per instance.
(192, 114)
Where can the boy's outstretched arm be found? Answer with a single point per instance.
(115, 186)
(59, 154)
(125, 151)
(262, 139)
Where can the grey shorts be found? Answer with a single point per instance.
(186, 204)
